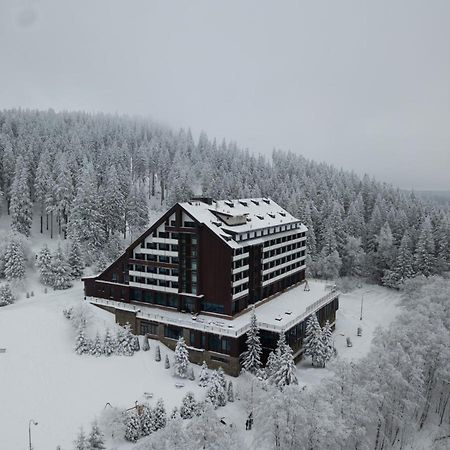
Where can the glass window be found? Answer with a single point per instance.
(172, 332)
(149, 328)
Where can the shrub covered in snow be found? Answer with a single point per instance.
(6, 295)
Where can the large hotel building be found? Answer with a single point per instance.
(198, 270)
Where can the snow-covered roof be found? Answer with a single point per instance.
(279, 314)
(241, 222)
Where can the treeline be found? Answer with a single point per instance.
(98, 175)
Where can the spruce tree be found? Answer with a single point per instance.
(133, 427)
(251, 360)
(96, 439)
(328, 345)
(286, 373)
(6, 296)
(403, 266)
(203, 378)
(146, 344)
(75, 258)
(424, 261)
(167, 362)
(21, 208)
(61, 273)
(181, 359)
(45, 266)
(230, 392)
(157, 353)
(97, 347)
(313, 344)
(191, 374)
(109, 345)
(113, 203)
(188, 406)
(81, 344)
(216, 394)
(14, 259)
(160, 415)
(147, 421)
(81, 442)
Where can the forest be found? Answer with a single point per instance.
(98, 178)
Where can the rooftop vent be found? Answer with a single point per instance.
(249, 219)
(271, 215)
(266, 200)
(216, 223)
(243, 202)
(259, 216)
(283, 214)
(229, 203)
(255, 202)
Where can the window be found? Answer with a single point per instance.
(114, 276)
(163, 234)
(174, 235)
(151, 257)
(163, 259)
(213, 307)
(164, 271)
(192, 338)
(189, 224)
(172, 332)
(151, 245)
(175, 260)
(149, 328)
(164, 246)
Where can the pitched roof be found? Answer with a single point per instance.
(228, 218)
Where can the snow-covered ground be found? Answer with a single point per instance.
(42, 378)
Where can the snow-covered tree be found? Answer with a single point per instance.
(75, 258)
(230, 392)
(136, 344)
(61, 272)
(125, 341)
(133, 427)
(203, 378)
(188, 407)
(167, 362)
(159, 414)
(328, 343)
(97, 347)
(286, 372)
(157, 353)
(6, 296)
(82, 345)
(45, 266)
(403, 267)
(251, 360)
(313, 343)
(21, 208)
(14, 259)
(96, 439)
(424, 262)
(109, 344)
(146, 344)
(81, 442)
(113, 203)
(147, 421)
(137, 210)
(191, 374)
(181, 359)
(216, 394)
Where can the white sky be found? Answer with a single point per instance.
(361, 84)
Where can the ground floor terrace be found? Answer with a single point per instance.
(219, 340)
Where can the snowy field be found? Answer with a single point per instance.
(42, 378)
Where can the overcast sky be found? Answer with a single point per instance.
(364, 85)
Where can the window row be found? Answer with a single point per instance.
(154, 282)
(159, 246)
(240, 275)
(284, 259)
(267, 231)
(157, 258)
(284, 249)
(240, 288)
(154, 269)
(289, 237)
(286, 269)
(240, 263)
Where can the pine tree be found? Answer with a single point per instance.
(403, 267)
(328, 344)
(81, 442)
(109, 345)
(97, 348)
(313, 344)
(147, 420)
(96, 439)
(75, 259)
(125, 341)
(216, 394)
(424, 262)
(230, 392)
(251, 361)
(286, 373)
(61, 273)
(113, 203)
(146, 344)
(181, 359)
(203, 378)
(6, 296)
(136, 344)
(81, 344)
(133, 427)
(188, 406)
(167, 362)
(137, 210)
(160, 415)
(191, 375)
(21, 208)
(157, 353)
(14, 259)
(272, 365)
(45, 265)
(63, 191)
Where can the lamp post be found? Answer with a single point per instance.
(31, 421)
(362, 301)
